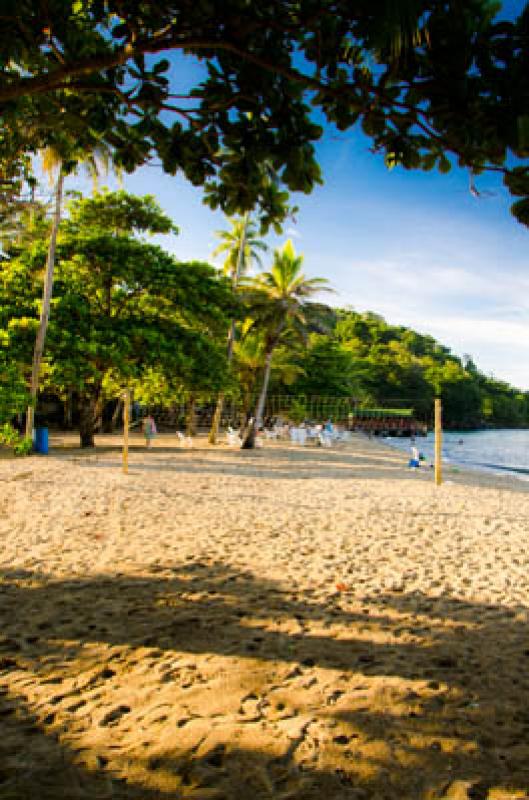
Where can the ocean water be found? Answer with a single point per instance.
(498, 451)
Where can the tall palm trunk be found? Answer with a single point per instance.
(46, 301)
(215, 422)
(249, 437)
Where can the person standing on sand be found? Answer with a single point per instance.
(149, 430)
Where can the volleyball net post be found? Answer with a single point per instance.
(126, 424)
(438, 442)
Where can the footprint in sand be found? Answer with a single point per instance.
(114, 716)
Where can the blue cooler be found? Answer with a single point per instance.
(41, 440)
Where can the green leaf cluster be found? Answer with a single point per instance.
(122, 307)
(431, 82)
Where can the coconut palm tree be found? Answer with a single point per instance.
(277, 303)
(47, 291)
(248, 358)
(249, 361)
(242, 246)
(53, 164)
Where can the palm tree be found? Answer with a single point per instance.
(277, 303)
(47, 291)
(248, 358)
(242, 246)
(53, 163)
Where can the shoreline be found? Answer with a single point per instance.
(452, 468)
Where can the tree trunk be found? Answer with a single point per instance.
(87, 415)
(116, 415)
(98, 415)
(68, 411)
(215, 422)
(251, 431)
(46, 300)
(191, 425)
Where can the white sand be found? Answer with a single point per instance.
(281, 623)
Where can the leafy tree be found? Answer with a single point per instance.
(122, 306)
(430, 81)
(276, 303)
(13, 390)
(327, 369)
(382, 364)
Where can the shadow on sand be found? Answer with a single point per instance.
(358, 460)
(204, 682)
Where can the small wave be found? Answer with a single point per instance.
(505, 468)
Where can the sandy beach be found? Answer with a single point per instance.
(279, 623)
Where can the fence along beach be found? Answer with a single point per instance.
(286, 622)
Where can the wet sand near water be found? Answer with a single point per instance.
(279, 623)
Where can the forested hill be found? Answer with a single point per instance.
(354, 354)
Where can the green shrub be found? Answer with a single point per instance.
(8, 435)
(21, 445)
(24, 446)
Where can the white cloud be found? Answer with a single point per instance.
(464, 309)
(293, 233)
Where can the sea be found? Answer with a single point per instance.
(501, 451)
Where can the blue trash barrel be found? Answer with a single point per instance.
(41, 440)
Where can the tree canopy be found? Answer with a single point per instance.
(430, 81)
(126, 313)
(122, 306)
(379, 364)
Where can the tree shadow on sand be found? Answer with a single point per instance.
(282, 463)
(275, 463)
(205, 682)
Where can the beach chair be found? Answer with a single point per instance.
(185, 441)
(313, 435)
(233, 439)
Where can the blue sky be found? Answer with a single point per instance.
(417, 248)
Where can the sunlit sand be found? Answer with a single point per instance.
(278, 623)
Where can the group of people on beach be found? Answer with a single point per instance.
(323, 433)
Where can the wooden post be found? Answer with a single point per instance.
(126, 409)
(438, 443)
